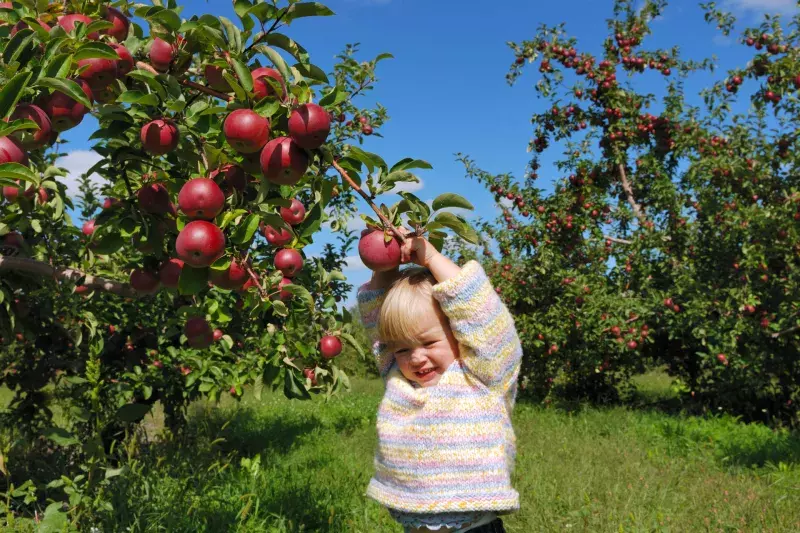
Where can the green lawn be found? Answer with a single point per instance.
(283, 466)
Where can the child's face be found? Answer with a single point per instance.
(424, 359)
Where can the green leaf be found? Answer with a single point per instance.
(302, 292)
(58, 66)
(311, 72)
(293, 389)
(55, 520)
(192, 280)
(285, 43)
(150, 79)
(355, 344)
(407, 163)
(307, 9)
(18, 44)
(7, 129)
(312, 222)
(398, 176)
(368, 158)
(237, 89)
(164, 17)
(234, 35)
(451, 200)
(276, 59)
(335, 97)
(264, 12)
(95, 49)
(138, 97)
(18, 172)
(11, 93)
(114, 472)
(132, 412)
(243, 73)
(109, 244)
(458, 225)
(68, 87)
(246, 229)
(60, 436)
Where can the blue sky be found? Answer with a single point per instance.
(445, 90)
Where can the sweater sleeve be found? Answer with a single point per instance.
(481, 323)
(369, 306)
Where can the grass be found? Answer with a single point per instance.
(280, 466)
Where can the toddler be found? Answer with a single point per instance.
(450, 356)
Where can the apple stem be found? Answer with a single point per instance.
(626, 186)
(45, 270)
(366, 197)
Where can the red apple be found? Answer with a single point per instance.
(154, 198)
(309, 373)
(162, 54)
(88, 227)
(97, 72)
(233, 177)
(201, 198)
(275, 237)
(108, 203)
(294, 214)
(262, 88)
(283, 162)
(722, 359)
(170, 272)
(198, 333)
(33, 139)
(160, 136)
(12, 152)
(121, 23)
(284, 294)
(218, 333)
(12, 194)
(289, 261)
(233, 278)
(64, 112)
(215, 80)
(200, 243)
(125, 63)
(377, 254)
(330, 346)
(309, 126)
(246, 131)
(68, 23)
(144, 281)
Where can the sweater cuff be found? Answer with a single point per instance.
(462, 286)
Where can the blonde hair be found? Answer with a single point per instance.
(408, 298)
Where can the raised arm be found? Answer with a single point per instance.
(481, 323)
(370, 299)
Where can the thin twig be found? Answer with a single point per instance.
(254, 277)
(187, 83)
(270, 30)
(366, 197)
(39, 268)
(617, 240)
(785, 332)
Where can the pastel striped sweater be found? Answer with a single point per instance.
(450, 447)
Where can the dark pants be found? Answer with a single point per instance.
(491, 527)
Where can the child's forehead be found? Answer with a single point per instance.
(425, 326)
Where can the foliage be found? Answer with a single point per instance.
(85, 354)
(672, 236)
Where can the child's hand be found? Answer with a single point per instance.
(416, 249)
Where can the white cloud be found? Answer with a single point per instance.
(77, 163)
(764, 6)
(408, 186)
(353, 263)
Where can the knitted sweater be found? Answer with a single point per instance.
(450, 447)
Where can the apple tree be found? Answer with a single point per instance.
(671, 236)
(224, 150)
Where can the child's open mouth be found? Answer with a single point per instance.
(428, 373)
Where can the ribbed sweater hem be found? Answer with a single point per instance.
(506, 500)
